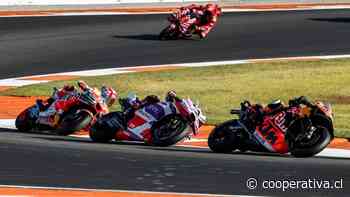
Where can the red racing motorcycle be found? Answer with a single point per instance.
(158, 124)
(88, 107)
(173, 30)
(304, 135)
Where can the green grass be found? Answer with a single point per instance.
(221, 88)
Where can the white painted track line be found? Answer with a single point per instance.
(21, 81)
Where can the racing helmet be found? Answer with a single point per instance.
(274, 106)
(83, 85)
(211, 8)
(109, 95)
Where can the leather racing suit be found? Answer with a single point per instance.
(203, 17)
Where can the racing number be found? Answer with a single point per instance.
(268, 133)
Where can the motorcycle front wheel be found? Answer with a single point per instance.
(169, 33)
(74, 121)
(169, 130)
(309, 147)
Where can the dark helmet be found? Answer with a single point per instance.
(276, 104)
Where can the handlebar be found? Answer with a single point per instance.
(235, 111)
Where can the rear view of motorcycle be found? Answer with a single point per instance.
(303, 129)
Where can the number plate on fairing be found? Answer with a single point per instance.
(271, 133)
(156, 110)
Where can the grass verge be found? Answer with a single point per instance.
(220, 88)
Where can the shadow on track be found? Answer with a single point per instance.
(174, 149)
(139, 37)
(151, 37)
(8, 130)
(334, 20)
(85, 140)
(203, 150)
(39, 132)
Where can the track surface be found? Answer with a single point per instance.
(29, 159)
(54, 44)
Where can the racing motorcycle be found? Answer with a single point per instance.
(173, 30)
(302, 136)
(89, 106)
(158, 124)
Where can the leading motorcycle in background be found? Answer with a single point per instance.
(188, 24)
(304, 135)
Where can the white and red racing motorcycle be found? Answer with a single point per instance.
(159, 123)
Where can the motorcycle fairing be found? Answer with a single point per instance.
(271, 133)
(140, 125)
(325, 108)
(34, 111)
(157, 111)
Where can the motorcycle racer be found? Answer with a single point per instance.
(66, 97)
(133, 103)
(301, 128)
(204, 17)
(211, 12)
(257, 111)
(149, 120)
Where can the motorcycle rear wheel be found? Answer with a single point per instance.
(168, 33)
(101, 131)
(319, 141)
(74, 122)
(223, 139)
(169, 130)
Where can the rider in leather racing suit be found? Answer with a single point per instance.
(133, 103)
(66, 97)
(206, 16)
(292, 110)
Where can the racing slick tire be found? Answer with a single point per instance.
(24, 122)
(169, 130)
(102, 131)
(222, 139)
(75, 121)
(168, 33)
(319, 141)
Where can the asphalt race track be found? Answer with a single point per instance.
(55, 44)
(29, 159)
(42, 45)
